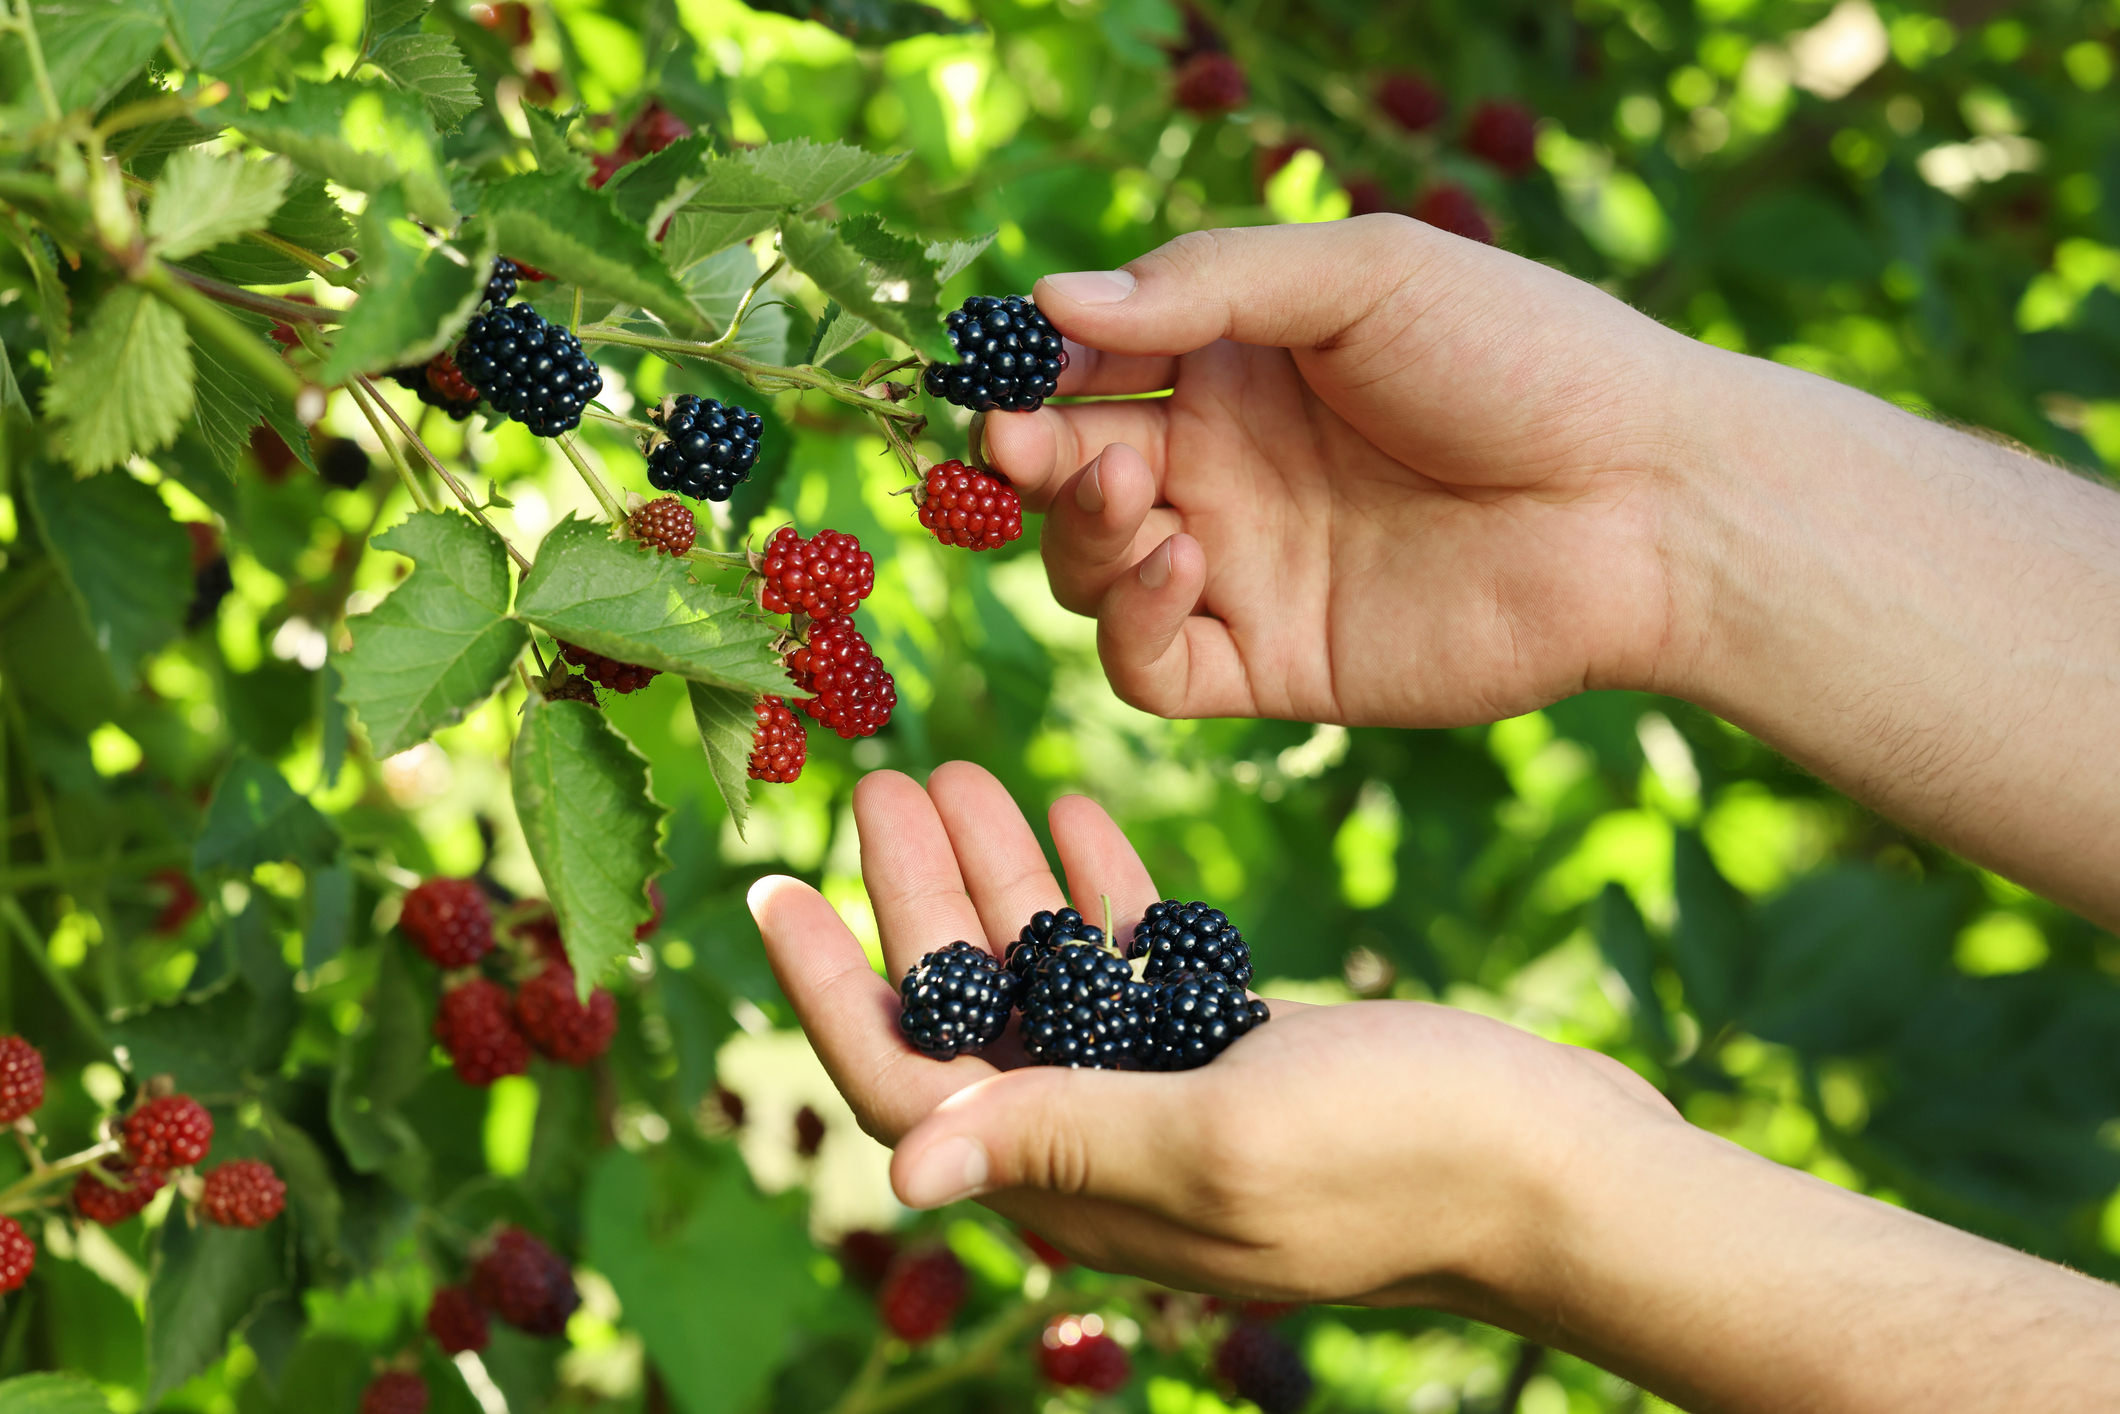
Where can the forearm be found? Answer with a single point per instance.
(1728, 1283)
(1927, 620)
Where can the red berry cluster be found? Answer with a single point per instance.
(456, 1321)
(21, 1078)
(449, 921)
(395, 1392)
(778, 746)
(607, 672)
(173, 1132)
(851, 692)
(476, 1026)
(18, 1255)
(559, 1023)
(972, 509)
(1075, 1351)
(652, 130)
(243, 1193)
(921, 1293)
(665, 524)
(525, 1283)
(168, 1132)
(1205, 78)
(825, 576)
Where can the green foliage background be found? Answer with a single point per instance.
(1618, 871)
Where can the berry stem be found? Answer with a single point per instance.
(616, 421)
(765, 377)
(903, 445)
(612, 508)
(286, 311)
(418, 492)
(456, 487)
(76, 1007)
(19, 1196)
(225, 334)
(743, 306)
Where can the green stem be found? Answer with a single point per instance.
(903, 446)
(743, 305)
(869, 1376)
(631, 424)
(978, 1356)
(287, 311)
(26, 23)
(456, 488)
(342, 276)
(611, 504)
(419, 494)
(766, 377)
(38, 876)
(44, 1175)
(69, 996)
(225, 334)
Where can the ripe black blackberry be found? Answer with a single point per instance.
(343, 464)
(956, 1000)
(1261, 1366)
(533, 371)
(1081, 1009)
(1195, 1019)
(500, 285)
(447, 395)
(210, 584)
(708, 447)
(1045, 932)
(1187, 938)
(1011, 356)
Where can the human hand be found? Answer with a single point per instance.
(1382, 1151)
(1384, 447)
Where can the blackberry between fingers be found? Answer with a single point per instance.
(1012, 356)
(1187, 939)
(955, 1000)
(1195, 1019)
(1081, 1009)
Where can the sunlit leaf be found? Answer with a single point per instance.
(431, 66)
(418, 297)
(207, 1281)
(364, 136)
(255, 816)
(576, 235)
(215, 34)
(727, 718)
(202, 199)
(125, 383)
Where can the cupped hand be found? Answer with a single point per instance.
(1381, 1151)
(1400, 478)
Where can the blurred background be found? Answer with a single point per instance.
(1921, 201)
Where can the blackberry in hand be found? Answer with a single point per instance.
(709, 447)
(1182, 938)
(956, 1000)
(1195, 1019)
(533, 371)
(500, 285)
(1045, 932)
(1081, 1009)
(1011, 356)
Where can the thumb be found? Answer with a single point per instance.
(1298, 286)
(1101, 1133)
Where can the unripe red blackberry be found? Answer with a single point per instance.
(18, 1255)
(645, 930)
(665, 524)
(444, 377)
(449, 391)
(867, 1254)
(809, 1132)
(1210, 83)
(1411, 101)
(243, 1193)
(654, 129)
(395, 1392)
(1075, 1351)
(168, 1133)
(607, 672)
(559, 1025)
(103, 1203)
(975, 510)
(1261, 1366)
(1504, 135)
(778, 746)
(921, 1293)
(476, 1026)
(448, 920)
(825, 576)
(1449, 207)
(456, 1321)
(525, 1283)
(21, 1078)
(852, 694)
(180, 901)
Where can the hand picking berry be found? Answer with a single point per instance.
(533, 371)
(972, 509)
(1045, 932)
(21, 1078)
(130, 1190)
(607, 672)
(525, 1283)
(169, 1132)
(558, 1023)
(449, 921)
(826, 576)
(1195, 1018)
(955, 1000)
(921, 1294)
(665, 524)
(1075, 1351)
(456, 1321)
(1181, 938)
(1261, 1366)
(1081, 1009)
(1011, 356)
(500, 285)
(395, 1392)
(851, 692)
(707, 448)
(476, 1026)
(18, 1255)
(778, 745)
(243, 1193)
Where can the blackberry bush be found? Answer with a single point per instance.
(706, 448)
(955, 1000)
(534, 372)
(1010, 356)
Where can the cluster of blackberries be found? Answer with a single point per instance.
(1011, 356)
(1082, 1004)
(533, 371)
(706, 448)
(514, 1276)
(488, 1030)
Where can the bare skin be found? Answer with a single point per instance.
(1402, 479)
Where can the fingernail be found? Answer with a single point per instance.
(1089, 491)
(953, 1169)
(1155, 570)
(1093, 286)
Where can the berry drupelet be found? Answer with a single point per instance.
(21, 1078)
(665, 524)
(449, 921)
(559, 1023)
(707, 448)
(533, 371)
(972, 509)
(955, 1000)
(476, 1026)
(1187, 938)
(243, 1193)
(456, 1321)
(851, 692)
(500, 285)
(921, 1294)
(1081, 1009)
(525, 1283)
(130, 1190)
(826, 576)
(607, 672)
(1045, 932)
(169, 1132)
(1010, 356)
(1261, 1366)
(18, 1255)
(778, 746)
(1195, 1019)
(395, 1392)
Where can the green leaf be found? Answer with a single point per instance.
(896, 295)
(311, 216)
(818, 172)
(417, 299)
(873, 22)
(203, 198)
(230, 403)
(52, 1394)
(695, 235)
(389, 16)
(380, 1066)
(576, 235)
(735, 184)
(255, 816)
(10, 390)
(364, 136)
(1714, 946)
(191, 1040)
(208, 1280)
(718, 287)
(330, 914)
(839, 331)
(215, 34)
(593, 827)
(125, 383)
(317, 1203)
(628, 603)
(91, 48)
(431, 66)
(714, 1341)
(549, 145)
(726, 719)
(1624, 939)
(124, 558)
(649, 190)
(441, 642)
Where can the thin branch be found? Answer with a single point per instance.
(69, 996)
(977, 1358)
(285, 310)
(765, 377)
(43, 1175)
(743, 305)
(339, 275)
(420, 497)
(456, 488)
(613, 507)
(1529, 1356)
